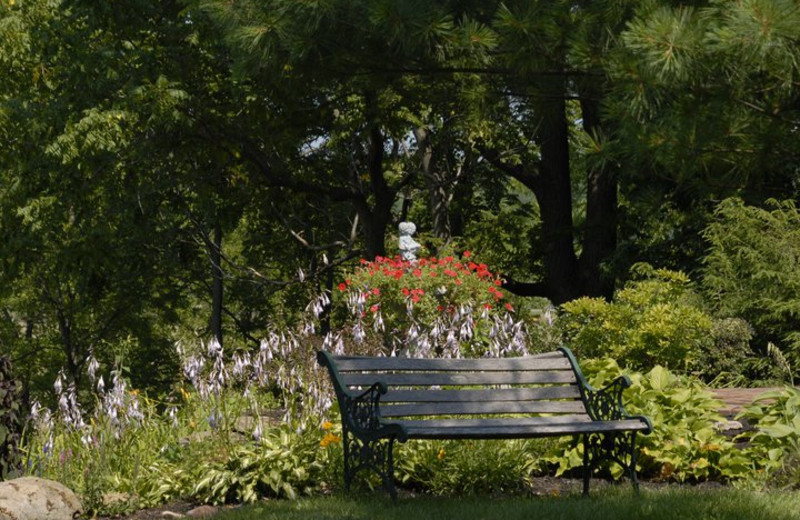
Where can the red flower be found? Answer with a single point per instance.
(417, 272)
(374, 308)
(342, 287)
(498, 281)
(415, 298)
(487, 305)
(406, 292)
(440, 308)
(450, 272)
(509, 307)
(376, 291)
(467, 254)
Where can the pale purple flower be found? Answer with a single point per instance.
(92, 366)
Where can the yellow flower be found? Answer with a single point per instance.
(440, 456)
(327, 425)
(328, 439)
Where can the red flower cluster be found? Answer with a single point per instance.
(380, 278)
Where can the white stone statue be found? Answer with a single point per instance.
(408, 246)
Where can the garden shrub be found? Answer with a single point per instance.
(448, 306)
(653, 320)
(776, 441)
(10, 421)
(684, 444)
(470, 467)
(752, 270)
(283, 463)
(728, 359)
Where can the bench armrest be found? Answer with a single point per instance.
(606, 404)
(362, 414)
(361, 411)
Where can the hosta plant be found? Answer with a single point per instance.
(776, 441)
(685, 444)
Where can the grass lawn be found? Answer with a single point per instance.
(610, 504)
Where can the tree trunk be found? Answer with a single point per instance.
(600, 232)
(377, 218)
(436, 181)
(554, 195)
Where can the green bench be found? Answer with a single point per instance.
(388, 399)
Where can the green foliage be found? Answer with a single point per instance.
(654, 320)
(752, 269)
(283, 463)
(684, 444)
(470, 467)
(10, 421)
(729, 358)
(776, 441)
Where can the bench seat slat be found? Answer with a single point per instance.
(489, 422)
(476, 395)
(456, 379)
(511, 431)
(357, 364)
(483, 407)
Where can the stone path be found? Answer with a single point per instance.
(735, 399)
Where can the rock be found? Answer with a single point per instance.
(724, 426)
(203, 512)
(33, 498)
(172, 514)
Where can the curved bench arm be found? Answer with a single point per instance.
(361, 411)
(604, 404)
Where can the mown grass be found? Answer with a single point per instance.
(610, 504)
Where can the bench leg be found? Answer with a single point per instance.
(372, 454)
(587, 465)
(616, 447)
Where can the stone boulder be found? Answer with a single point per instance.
(33, 498)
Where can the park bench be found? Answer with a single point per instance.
(388, 399)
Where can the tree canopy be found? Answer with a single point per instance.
(178, 170)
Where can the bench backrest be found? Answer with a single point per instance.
(540, 384)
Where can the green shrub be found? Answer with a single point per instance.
(776, 441)
(684, 444)
(283, 463)
(653, 320)
(470, 467)
(729, 358)
(752, 270)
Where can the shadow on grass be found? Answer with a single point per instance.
(612, 504)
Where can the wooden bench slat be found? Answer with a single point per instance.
(427, 395)
(510, 431)
(357, 364)
(488, 422)
(459, 379)
(483, 407)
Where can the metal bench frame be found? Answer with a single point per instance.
(388, 399)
